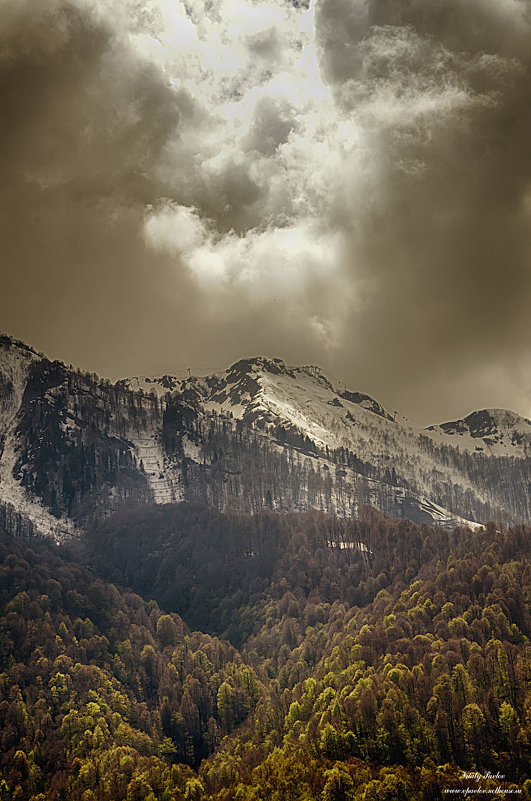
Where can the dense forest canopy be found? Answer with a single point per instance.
(360, 659)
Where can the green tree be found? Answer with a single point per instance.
(167, 631)
(338, 785)
(194, 790)
(225, 703)
(138, 789)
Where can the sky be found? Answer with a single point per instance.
(344, 183)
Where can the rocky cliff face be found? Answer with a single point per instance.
(74, 448)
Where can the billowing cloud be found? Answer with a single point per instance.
(340, 181)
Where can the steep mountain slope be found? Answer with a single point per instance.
(20, 511)
(74, 448)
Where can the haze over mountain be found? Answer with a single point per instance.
(258, 435)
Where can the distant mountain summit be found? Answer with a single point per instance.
(496, 430)
(260, 434)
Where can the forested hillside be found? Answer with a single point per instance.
(370, 659)
(100, 689)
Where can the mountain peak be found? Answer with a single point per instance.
(257, 364)
(498, 430)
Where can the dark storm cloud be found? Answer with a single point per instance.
(85, 124)
(81, 111)
(446, 240)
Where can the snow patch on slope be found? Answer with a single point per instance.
(163, 479)
(192, 450)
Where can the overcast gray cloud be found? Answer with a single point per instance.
(341, 182)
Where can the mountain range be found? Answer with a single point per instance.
(74, 448)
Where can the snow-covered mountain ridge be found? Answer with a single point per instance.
(259, 434)
(299, 394)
